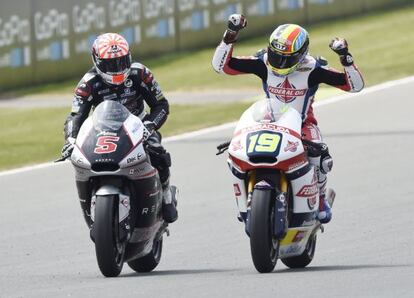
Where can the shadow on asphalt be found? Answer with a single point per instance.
(340, 268)
(176, 272)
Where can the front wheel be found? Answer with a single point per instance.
(305, 258)
(109, 251)
(148, 262)
(264, 247)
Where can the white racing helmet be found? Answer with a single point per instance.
(112, 58)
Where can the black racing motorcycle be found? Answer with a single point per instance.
(120, 190)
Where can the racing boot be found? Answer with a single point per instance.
(169, 202)
(327, 196)
(326, 200)
(325, 211)
(169, 196)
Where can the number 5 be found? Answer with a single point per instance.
(105, 144)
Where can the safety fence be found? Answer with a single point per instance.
(46, 41)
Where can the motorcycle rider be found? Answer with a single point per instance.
(115, 77)
(290, 75)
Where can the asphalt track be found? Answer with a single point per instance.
(366, 251)
(174, 97)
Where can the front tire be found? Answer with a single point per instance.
(264, 248)
(109, 252)
(305, 258)
(150, 261)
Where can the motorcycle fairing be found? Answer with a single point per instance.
(135, 131)
(106, 146)
(295, 241)
(286, 165)
(268, 137)
(305, 192)
(129, 157)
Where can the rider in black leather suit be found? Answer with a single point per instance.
(115, 77)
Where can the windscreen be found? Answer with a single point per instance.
(268, 110)
(109, 116)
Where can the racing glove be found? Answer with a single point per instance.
(68, 148)
(149, 128)
(340, 46)
(235, 23)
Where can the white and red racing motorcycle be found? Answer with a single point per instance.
(275, 185)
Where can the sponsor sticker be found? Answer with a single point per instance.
(236, 146)
(286, 92)
(291, 146)
(310, 192)
(299, 236)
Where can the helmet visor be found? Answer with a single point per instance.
(281, 61)
(114, 65)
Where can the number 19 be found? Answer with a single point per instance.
(264, 142)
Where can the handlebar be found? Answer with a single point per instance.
(223, 147)
(60, 159)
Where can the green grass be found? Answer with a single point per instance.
(35, 135)
(31, 135)
(382, 44)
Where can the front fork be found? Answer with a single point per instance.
(123, 209)
(280, 208)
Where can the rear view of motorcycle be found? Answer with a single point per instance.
(120, 190)
(275, 185)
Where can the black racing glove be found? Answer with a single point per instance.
(340, 46)
(235, 23)
(68, 148)
(149, 128)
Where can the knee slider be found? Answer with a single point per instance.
(326, 164)
(326, 160)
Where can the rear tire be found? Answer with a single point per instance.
(109, 252)
(150, 261)
(305, 258)
(264, 248)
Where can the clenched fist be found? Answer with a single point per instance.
(236, 22)
(339, 46)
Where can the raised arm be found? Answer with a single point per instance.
(354, 81)
(223, 61)
(349, 80)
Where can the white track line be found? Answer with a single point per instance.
(225, 126)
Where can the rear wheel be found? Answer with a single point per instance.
(150, 261)
(109, 251)
(305, 258)
(264, 247)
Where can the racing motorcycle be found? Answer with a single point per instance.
(121, 188)
(269, 163)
